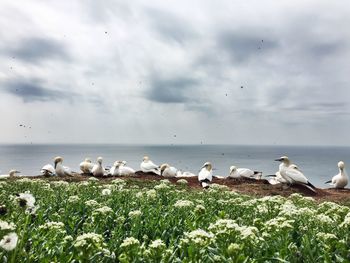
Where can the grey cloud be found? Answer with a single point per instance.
(35, 90)
(36, 49)
(172, 90)
(171, 27)
(241, 46)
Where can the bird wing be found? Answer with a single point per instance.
(245, 172)
(149, 165)
(296, 176)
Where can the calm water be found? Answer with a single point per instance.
(317, 163)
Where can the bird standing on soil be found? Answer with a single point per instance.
(98, 169)
(124, 170)
(147, 166)
(244, 172)
(292, 174)
(48, 170)
(180, 174)
(341, 179)
(205, 175)
(11, 173)
(86, 166)
(60, 169)
(168, 171)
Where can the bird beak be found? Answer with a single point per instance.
(278, 160)
(18, 172)
(270, 175)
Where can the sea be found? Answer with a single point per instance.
(318, 163)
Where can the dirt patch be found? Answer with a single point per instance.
(245, 186)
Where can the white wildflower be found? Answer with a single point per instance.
(139, 195)
(91, 203)
(130, 242)
(199, 237)
(93, 179)
(106, 191)
(9, 242)
(182, 182)
(103, 210)
(183, 203)
(86, 239)
(162, 186)
(152, 194)
(7, 226)
(135, 213)
(324, 219)
(157, 244)
(73, 199)
(52, 226)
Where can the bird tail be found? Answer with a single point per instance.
(311, 185)
(258, 175)
(328, 182)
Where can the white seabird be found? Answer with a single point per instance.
(60, 169)
(292, 174)
(341, 179)
(205, 175)
(186, 174)
(11, 173)
(168, 171)
(124, 170)
(147, 166)
(244, 172)
(98, 169)
(114, 169)
(86, 166)
(48, 170)
(277, 177)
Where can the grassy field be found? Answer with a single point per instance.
(125, 221)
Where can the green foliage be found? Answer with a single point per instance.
(160, 222)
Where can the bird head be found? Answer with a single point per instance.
(233, 169)
(57, 160)
(341, 165)
(283, 159)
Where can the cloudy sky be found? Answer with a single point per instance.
(236, 72)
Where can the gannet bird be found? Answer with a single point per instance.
(277, 177)
(167, 171)
(98, 169)
(86, 166)
(341, 179)
(180, 174)
(148, 166)
(124, 170)
(114, 169)
(11, 173)
(60, 169)
(292, 174)
(205, 175)
(244, 172)
(48, 170)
